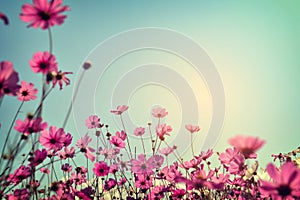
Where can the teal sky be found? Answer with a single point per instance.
(255, 46)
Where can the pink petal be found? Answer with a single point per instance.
(273, 172)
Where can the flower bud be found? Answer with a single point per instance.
(86, 65)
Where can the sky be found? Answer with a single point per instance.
(250, 48)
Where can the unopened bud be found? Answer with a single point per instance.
(86, 65)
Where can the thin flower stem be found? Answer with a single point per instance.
(192, 147)
(9, 131)
(143, 144)
(72, 100)
(156, 137)
(38, 110)
(158, 147)
(126, 137)
(50, 41)
(87, 166)
(149, 124)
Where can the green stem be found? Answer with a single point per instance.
(9, 131)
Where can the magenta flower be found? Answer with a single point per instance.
(58, 78)
(237, 166)
(193, 163)
(8, 79)
(45, 170)
(247, 145)
(159, 112)
(108, 153)
(82, 143)
(170, 173)
(38, 157)
(141, 165)
(192, 129)
(166, 151)
(66, 167)
(19, 175)
(285, 184)
(43, 14)
(139, 131)
(92, 121)
(109, 184)
(120, 110)
(156, 161)
(66, 153)
(205, 155)
(19, 194)
(143, 181)
(53, 139)
(162, 130)
(30, 125)
(118, 142)
(101, 168)
(43, 62)
(228, 156)
(122, 135)
(27, 92)
(4, 18)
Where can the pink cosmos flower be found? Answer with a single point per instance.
(58, 78)
(156, 161)
(139, 131)
(8, 79)
(141, 165)
(228, 156)
(101, 168)
(191, 128)
(120, 110)
(27, 92)
(143, 181)
(19, 175)
(45, 170)
(113, 168)
(19, 194)
(43, 62)
(4, 18)
(43, 14)
(285, 184)
(247, 145)
(205, 155)
(157, 192)
(68, 139)
(122, 135)
(159, 112)
(237, 165)
(199, 179)
(118, 142)
(170, 173)
(82, 143)
(178, 193)
(66, 153)
(162, 130)
(193, 163)
(53, 139)
(30, 125)
(38, 157)
(66, 167)
(92, 121)
(109, 153)
(166, 151)
(109, 184)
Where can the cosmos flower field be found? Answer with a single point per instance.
(39, 159)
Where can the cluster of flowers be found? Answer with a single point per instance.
(43, 164)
